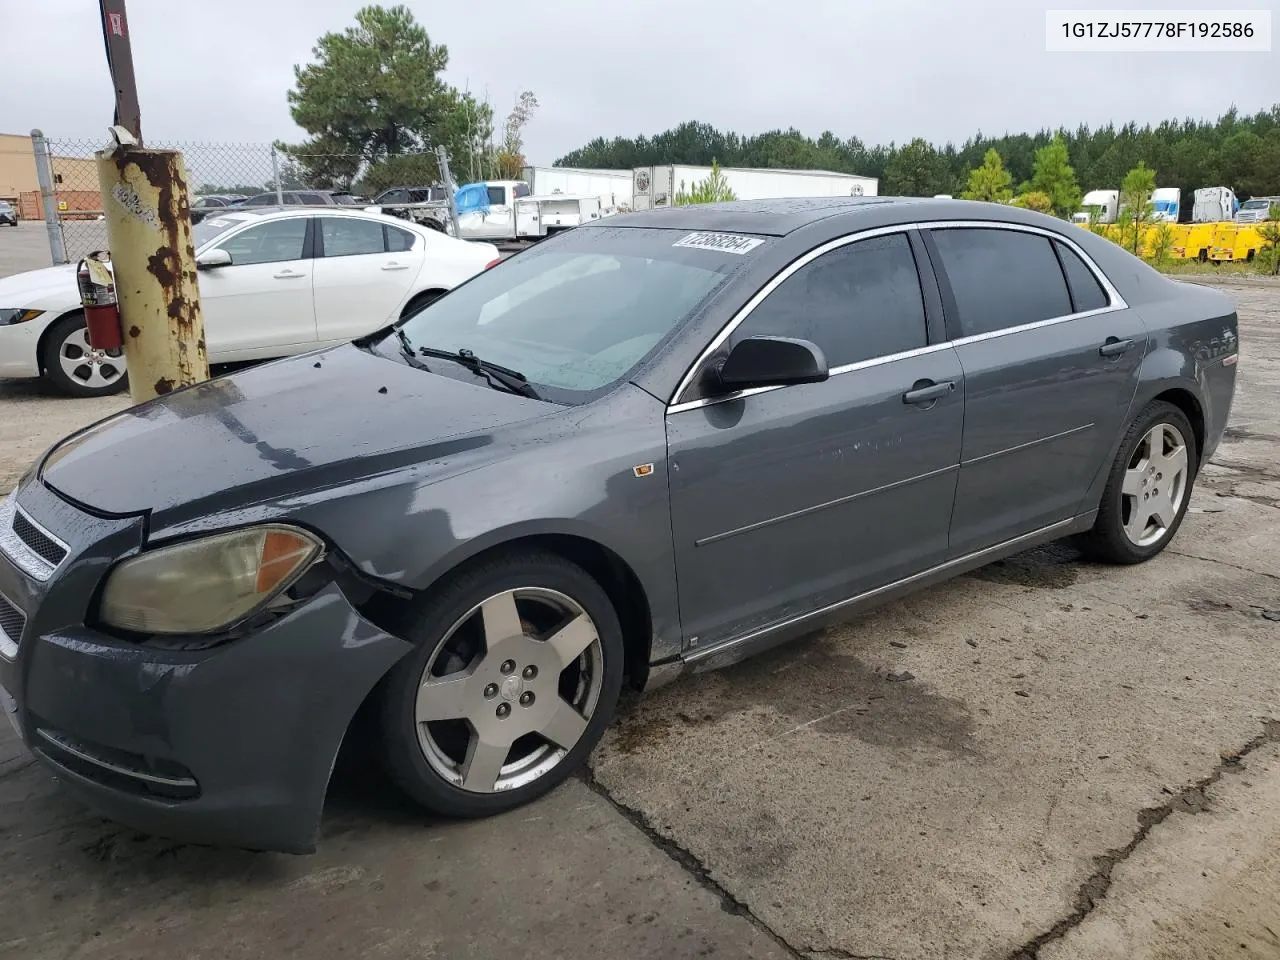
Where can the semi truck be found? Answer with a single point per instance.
(1106, 203)
(613, 187)
(657, 186)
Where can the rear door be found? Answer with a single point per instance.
(260, 305)
(1050, 369)
(788, 499)
(364, 271)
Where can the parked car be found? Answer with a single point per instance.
(272, 283)
(8, 214)
(650, 445)
(304, 198)
(212, 203)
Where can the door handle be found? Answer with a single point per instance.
(926, 391)
(288, 275)
(395, 266)
(1114, 346)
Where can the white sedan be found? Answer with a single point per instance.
(272, 283)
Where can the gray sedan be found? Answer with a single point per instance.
(652, 445)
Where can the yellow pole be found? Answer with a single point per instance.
(144, 194)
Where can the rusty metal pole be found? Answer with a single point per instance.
(148, 213)
(144, 194)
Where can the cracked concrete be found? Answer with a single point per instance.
(1080, 766)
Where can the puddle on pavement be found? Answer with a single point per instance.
(1054, 566)
(813, 686)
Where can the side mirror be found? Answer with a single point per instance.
(213, 258)
(772, 361)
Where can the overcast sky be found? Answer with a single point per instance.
(218, 71)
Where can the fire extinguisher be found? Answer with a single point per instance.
(98, 297)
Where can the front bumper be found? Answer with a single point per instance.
(230, 746)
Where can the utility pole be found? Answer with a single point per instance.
(442, 156)
(48, 196)
(147, 205)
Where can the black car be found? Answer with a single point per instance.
(8, 214)
(648, 446)
(213, 203)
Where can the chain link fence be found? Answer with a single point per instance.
(255, 173)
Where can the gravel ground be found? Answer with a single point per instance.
(1084, 763)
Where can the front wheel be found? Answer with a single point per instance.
(75, 367)
(516, 675)
(1148, 489)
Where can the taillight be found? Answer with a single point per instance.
(493, 263)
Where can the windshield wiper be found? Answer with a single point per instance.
(409, 352)
(498, 377)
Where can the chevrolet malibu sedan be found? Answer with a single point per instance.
(272, 283)
(651, 445)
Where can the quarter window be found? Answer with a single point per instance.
(399, 240)
(1001, 278)
(349, 237)
(269, 242)
(1086, 291)
(857, 302)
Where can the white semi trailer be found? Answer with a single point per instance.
(656, 186)
(613, 187)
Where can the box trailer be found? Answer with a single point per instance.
(613, 187)
(1214, 205)
(657, 186)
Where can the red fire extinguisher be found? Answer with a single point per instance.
(98, 297)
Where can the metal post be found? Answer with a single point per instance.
(144, 194)
(48, 199)
(450, 187)
(275, 172)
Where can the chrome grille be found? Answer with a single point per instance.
(31, 548)
(40, 542)
(12, 620)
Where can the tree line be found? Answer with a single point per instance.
(1237, 150)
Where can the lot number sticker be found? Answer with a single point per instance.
(724, 242)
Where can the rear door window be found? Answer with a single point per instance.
(349, 236)
(497, 196)
(1000, 278)
(398, 241)
(857, 302)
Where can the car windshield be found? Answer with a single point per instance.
(211, 228)
(576, 314)
(1256, 204)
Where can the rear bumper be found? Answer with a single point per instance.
(230, 746)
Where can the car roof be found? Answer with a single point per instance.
(778, 218)
(770, 218)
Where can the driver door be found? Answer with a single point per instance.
(788, 499)
(260, 305)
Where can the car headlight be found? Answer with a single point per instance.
(206, 585)
(17, 316)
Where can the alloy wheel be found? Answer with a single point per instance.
(88, 366)
(1155, 484)
(510, 690)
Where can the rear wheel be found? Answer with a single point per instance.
(516, 675)
(74, 366)
(1148, 489)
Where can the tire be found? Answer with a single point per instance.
(1120, 535)
(95, 377)
(505, 685)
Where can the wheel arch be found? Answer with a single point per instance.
(617, 577)
(1186, 401)
(422, 297)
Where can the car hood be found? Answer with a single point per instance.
(30, 288)
(317, 420)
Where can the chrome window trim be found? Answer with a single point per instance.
(1117, 303)
(16, 549)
